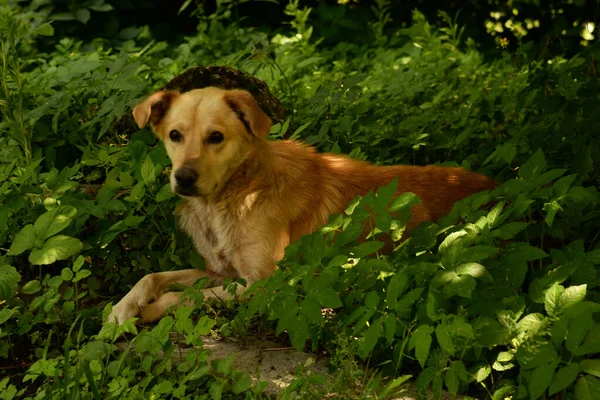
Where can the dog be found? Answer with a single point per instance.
(246, 197)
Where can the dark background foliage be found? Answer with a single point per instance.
(492, 301)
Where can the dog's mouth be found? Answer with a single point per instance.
(188, 192)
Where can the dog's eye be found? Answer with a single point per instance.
(175, 135)
(215, 137)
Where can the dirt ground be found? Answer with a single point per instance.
(269, 361)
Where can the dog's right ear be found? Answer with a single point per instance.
(154, 108)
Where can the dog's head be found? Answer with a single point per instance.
(208, 133)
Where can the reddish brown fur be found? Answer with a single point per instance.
(260, 195)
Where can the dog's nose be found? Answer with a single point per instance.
(186, 177)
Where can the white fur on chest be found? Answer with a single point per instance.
(212, 233)
(216, 232)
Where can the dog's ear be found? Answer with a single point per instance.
(154, 108)
(249, 112)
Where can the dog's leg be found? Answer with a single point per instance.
(158, 308)
(151, 287)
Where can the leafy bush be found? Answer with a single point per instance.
(498, 299)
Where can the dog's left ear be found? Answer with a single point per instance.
(154, 108)
(249, 112)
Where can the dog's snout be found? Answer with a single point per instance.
(186, 177)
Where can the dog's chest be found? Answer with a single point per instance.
(214, 235)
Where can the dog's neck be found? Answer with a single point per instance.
(256, 173)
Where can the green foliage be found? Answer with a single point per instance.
(499, 298)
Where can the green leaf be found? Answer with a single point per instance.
(534, 166)
(83, 15)
(490, 332)
(31, 287)
(311, 309)
(561, 186)
(389, 326)
(24, 240)
(147, 171)
(478, 253)
(571, 296)
(559, 331)
(452, 382)
(101, 7)
(352, 232)
(535, 354)
(367, 248)
(591, 367)
(58, 247)
(384, 195)
(241, 382)
(475, 270)
(391, 386)
(329, 298)
(216, 389)
(371, 337)
(532, 323)
(300, 333)
(593, 256)
(9, 281)
(431, 307)
(551, 299)
(462, 285)
(421, 341)
(55, 281)
(66, 274)
(398, 284)
(591, 344)
(224, 366)
(78, 263)
(551, 209)
(163, 388)
(444, 339)
(546, 177)
(579, 327)
(45, 29)
(563, 378)
(63, 16)
(54, 221)
(338, 260)
(527, 252)
(406, 302)
(541, 377)
(404, 200)
(509, 231)
(5, 314)
(383, 221)
(481, 372)
(372, 300)
(504, 391)
(133, 221)
(452, 240)
(505, 152)
(425, 377)
(82, 274)
(587, 388)
(459, 367)
(126, 179)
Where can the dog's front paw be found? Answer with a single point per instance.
(123, 311)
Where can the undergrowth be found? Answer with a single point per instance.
(498, 299)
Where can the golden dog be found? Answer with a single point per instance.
(247, 198)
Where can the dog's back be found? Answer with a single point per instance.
(319, 185)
